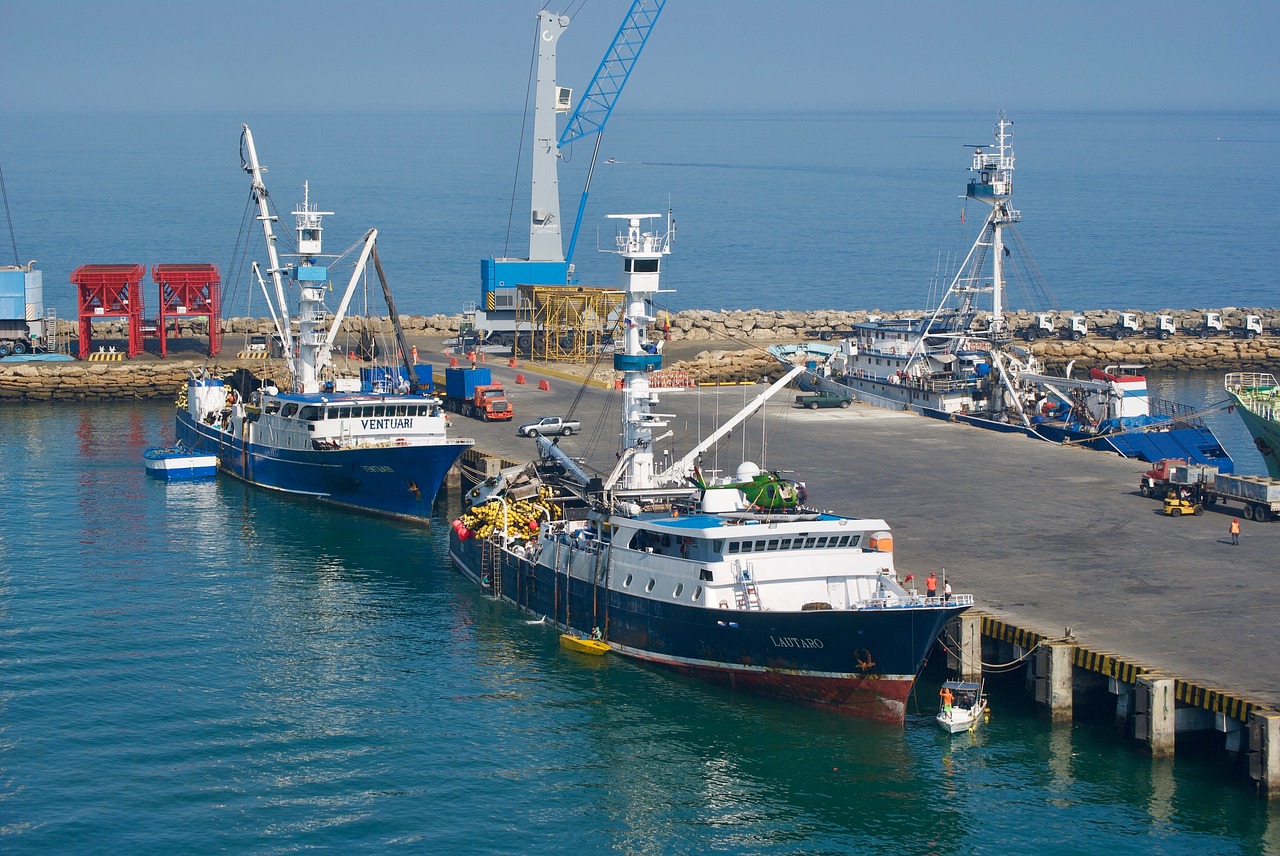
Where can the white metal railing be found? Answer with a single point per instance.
(1256, 381)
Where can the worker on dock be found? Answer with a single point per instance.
(1235, 531)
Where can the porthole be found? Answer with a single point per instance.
(679, 590)
(697, 593)
(652, 582)
(627, 582)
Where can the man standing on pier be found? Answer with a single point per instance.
(1235, 531)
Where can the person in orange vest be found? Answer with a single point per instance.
(1235, 531)
(931, 585)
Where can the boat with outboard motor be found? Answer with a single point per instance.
(960, 362)
(962, 706)
(378, 445)
(736, 581)
(1256, 398)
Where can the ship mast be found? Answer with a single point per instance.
(642, 254)
(313, 349)
(994, 186)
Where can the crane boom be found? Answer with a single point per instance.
(683, 468)
(593, 110)
(596, 105)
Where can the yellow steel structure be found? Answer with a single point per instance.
(562, 323)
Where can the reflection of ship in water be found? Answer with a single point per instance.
(951, 364)
(1257, 402)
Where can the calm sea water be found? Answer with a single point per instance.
(208, 667)
(791, 211)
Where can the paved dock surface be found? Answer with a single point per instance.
(1045, 537)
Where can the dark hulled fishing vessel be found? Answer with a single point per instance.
(728, 581)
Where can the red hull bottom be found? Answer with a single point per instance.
(877, 697)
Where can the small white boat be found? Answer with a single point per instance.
(178, 463)
(962, 707)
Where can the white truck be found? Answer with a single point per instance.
(549, 426)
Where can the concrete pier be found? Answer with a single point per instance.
(967, 631)
(1072, 569)
(1154, 723)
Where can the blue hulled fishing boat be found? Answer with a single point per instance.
(380, 445)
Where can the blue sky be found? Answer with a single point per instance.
(65, 55)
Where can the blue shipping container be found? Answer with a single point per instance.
(462, 383)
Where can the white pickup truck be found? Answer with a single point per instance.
(549, 426)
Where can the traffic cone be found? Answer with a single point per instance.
(453, 362)
(544, 386)
(519, 378)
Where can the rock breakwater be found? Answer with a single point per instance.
(107, 381)
(738, 353)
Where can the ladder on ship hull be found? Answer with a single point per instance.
(491, 568)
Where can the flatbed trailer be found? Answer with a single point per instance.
(1259, 496)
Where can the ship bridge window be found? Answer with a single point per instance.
(717, 545)
(290, 409)
(367, 411)
(773, 544)
(786, 544)
(641, 265)
(704, 574)
(344, 412)
(733, 547)
(822, 542)
(310, 413)
(273, 406)
(760, 548)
